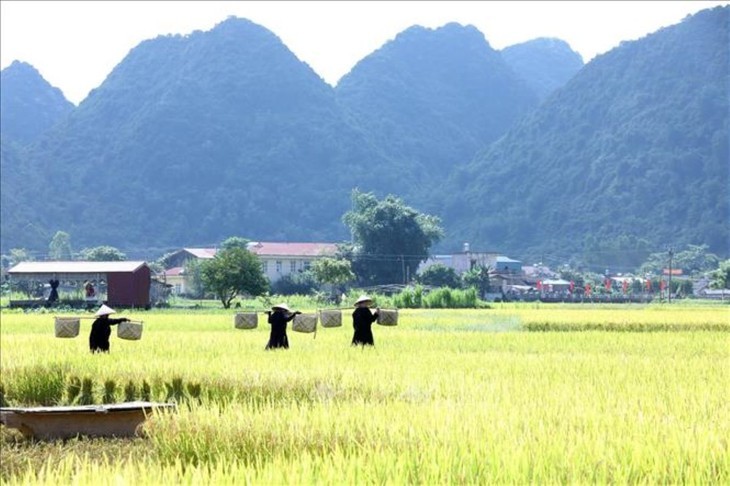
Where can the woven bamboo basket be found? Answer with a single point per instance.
(246, 320)
(132, 331)
(330, 318)
(304, 323)
(67, 327)
(388, 317)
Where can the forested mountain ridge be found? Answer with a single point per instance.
(195, 138)
(226, 132)
(430, 99)
(29, 105)
(636, 144)
(545, 64)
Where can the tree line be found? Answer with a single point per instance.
(389, 241)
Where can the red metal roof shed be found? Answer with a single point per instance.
(128, 283)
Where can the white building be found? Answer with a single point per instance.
(277, 259)
(280, 259)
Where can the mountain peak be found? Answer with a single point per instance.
(29, 105)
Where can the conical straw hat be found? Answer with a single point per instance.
(105, 310)
(363, 298)
(281, 306)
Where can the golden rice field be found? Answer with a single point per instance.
(617, 394)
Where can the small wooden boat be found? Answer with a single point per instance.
(63, 422)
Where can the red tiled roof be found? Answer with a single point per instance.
(174, 272)
(265, 248)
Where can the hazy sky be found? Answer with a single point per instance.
(76, 44)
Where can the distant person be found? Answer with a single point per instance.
(53, 296)
(101, 329)
(362, 320)
(279, 315)
(89, 289)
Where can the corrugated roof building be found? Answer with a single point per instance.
(121, 284)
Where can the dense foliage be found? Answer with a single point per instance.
(430, 99)
(439, 275)
(192, 138)
(635, 146)
(29, 106)
(231, 272)
(391, 239)
(103, 253)
(544, 64)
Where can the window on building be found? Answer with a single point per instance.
(278, 266)
(306, 264)
(293, 266)
(265, 267)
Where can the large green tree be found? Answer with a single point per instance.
(334, 271)
(102, 254)
(693, 260)
(391, 239)
(193, 279)
(235, 242)
(439, 275)
(721, 276)
(60, 246)
(232, 272)
(477, 277)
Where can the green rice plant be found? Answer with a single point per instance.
(194, 391)
(130, 391)
(37, 384)
(146, 392)
(459, 396)
(175, 390)
(87, 392)
(73, 389)
(110, 392)
(3, 402)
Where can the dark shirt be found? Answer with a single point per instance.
(100, 332)
(362, 319)
(278, 337)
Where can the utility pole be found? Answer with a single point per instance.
(403, 268)
(669, 286)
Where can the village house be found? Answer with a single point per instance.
(278, 259)
(467, 259)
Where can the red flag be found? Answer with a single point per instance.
(607, 283)
(539, 285)
(648, 285)
(572, 286)
(625, 286)
(588, 289)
